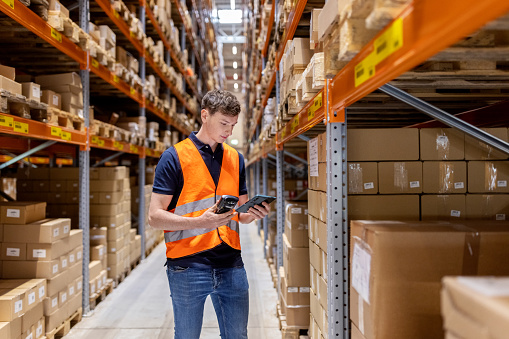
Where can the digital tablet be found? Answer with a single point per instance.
(257, 200)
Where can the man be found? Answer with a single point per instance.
(202, 247)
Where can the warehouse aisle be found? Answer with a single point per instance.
(140, 307)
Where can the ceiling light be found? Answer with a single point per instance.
(235, 64)
(234, 49)
(232, 4)
(236, 85)
(235, 76)
(227, 16)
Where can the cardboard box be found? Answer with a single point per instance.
(442, 144)
(10, 85)
(64, 173)
(113, 173)
(75, 238)
(73, 305)
(297, 315)
(51, 98)
(111, 198)
(488, 176)
(400, 177)
(5, 330)
(13, 251)
(21, 213)
(362, 178)
(40, 328)
(108, 186)
(409, 260)
(477, 150)
(315, 257)
(45, 231)
(98, 236)
(487, 206)
(94, 269)
(105, 210)
(33, 173)
(475, 307)
(296, 263)
(31, 91)
(71, 99)
(316, 309)
(50, 304)
(388, 144)
(11, 304)
(73, 186)
(115, 245)
(443, 207)
(31, 317)
(97, 252)
(383, 207)
(47, 81)
(8, 72)
(296, 224)
(444, 177)
(30, 269)
(321, 235)
(56, 318)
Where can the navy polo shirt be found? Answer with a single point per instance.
(169, 180)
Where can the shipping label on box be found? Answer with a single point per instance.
(444, 177)
(13, 251)
(21, 213)
(400, 177)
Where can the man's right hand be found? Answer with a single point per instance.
(210, 219)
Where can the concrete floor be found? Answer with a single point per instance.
(140, 307)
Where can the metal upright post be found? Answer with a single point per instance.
(280, 195)
(266, 219)
(183, 48)
(141, 161)
(257, 188)
(84, 168)
(168, 63)
(337, 224)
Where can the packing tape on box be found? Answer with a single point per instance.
(445, 177)
(400, 176)
(471, 249)
(442, 145)
(361, 267)
(355, 180)
(491, 176)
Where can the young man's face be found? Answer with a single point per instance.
(220, 126)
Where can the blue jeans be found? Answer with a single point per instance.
(228, 289)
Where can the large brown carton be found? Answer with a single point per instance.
(443, 207)
(113, 173)
(476, 307)
(58, 80)
(388, 144)
(487, 206)
(444, 177)
(21, 213)
(5, 330)
(31, 91)
(442, 144)
(64, 173)
(98, 236)
(400, 177)
(362, 178)
(45, 252)
(109, 185)
(488, 176)
(296, 263)
(10, 85)
(383, 207)
(296, 224)
(477, 150)
(51, 98)
(409, 260)
(11, 304)
(56, 318)
(31, 317)
(45, 231)
(30, 269)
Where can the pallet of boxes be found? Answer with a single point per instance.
(294, 274)
(110, 218)
(41, 285)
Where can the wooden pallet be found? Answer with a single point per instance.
(61, 118)
(135, 263)
(119, 279)
(100, 295)
(19, 105)
(66, 326)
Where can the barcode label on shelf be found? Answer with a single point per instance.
(118, 145)
(295, 124)
(95, 139)
(133, 91)
(56, 132)
(66, 136)
(317, 104)
(20, 127)
(389, 42)
(95, 63)
(6, 121)
(115, 13)
(9, 3)
(101, 142)
(116, 79)
(56, 35)
(134, 149)
(365, 69)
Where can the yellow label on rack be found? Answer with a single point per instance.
(100, 142)
(95, 139)
(6, 121)
(295, 124)
(56, 132)
(95, 63)
(317, 103)
(133, 35)
(133, 91)
(20, 127)
(116, 79)
(56, 35)
(283, 132)
(365, 69)
(118, 145)
(115, 13)
(390, 41)
(9, 3)
(134, 149)
(66, 135)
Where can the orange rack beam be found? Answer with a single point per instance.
(269, 30)
(291, 27)
(118, 146)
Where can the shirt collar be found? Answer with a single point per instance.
(200, 145)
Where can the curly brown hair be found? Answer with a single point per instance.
(221, 101)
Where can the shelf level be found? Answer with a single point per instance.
(269, 29)
(118, 146)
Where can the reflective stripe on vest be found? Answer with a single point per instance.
(198, 194)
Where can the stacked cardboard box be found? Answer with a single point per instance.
(58, 186)
(69, 86)
(294, 275)
(7, 83)
(37, 248)
(135, 245)
(397, 268)
(475, 307)
(110, 216)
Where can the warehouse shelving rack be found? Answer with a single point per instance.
(63, 140)
(423, 29)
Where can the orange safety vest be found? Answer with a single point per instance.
(199, 194)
